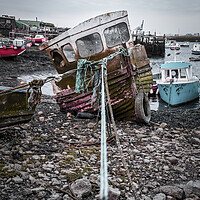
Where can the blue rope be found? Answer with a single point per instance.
(83, 67)
(104, 168)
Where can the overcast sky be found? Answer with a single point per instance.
(160, 16)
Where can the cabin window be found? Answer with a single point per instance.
(183, 73)
(57, 58)
(8, 21)
(69, 52)
(89, 45)
(175, 73)
(117, 34)
(167, 73)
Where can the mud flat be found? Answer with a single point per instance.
(51, 156)
(31, 61)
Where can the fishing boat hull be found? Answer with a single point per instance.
(175, 48)
(11, 51)
(123, 84)
(195, 52)
(14, 108)
(194, 58)
(179, 93)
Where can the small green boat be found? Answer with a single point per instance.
(14, 106)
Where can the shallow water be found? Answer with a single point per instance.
(156, 103)
(47, 88)
(185, 53)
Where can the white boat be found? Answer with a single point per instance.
(175, 46)
(196, 49)
(177, 84)
(169, 43)
(195, 58)
(185, 44)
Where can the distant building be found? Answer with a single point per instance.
(35, 26)
(9, 27)
(7, 24)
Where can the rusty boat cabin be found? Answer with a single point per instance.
(129, 77)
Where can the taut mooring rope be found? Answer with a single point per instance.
(103, 170)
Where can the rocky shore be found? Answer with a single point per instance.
(57, 155)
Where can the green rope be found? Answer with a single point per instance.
(84, 66)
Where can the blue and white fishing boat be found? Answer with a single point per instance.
(196, 49)
(177, 84)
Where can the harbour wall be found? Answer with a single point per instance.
(184, 38)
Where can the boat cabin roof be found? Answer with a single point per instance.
(175, 65)
(90, 26)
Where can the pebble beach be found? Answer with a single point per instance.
(56, 155)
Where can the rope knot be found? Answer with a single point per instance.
(35, 93)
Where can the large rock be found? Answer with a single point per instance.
(173, 191)
(173, 160)
(113, 193)
(192, 187)
(81, 188)
(160, 196)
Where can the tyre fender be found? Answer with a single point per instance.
(142, 108)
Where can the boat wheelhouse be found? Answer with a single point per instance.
(177, 84)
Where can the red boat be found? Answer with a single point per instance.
(12, 47)
(39, 39)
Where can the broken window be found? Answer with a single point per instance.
(89, 45)
(57, 58)
(69, 52)
(117, 34)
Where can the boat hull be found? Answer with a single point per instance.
(179, 93)
(11, 52)
(123, 85)
(14, 108)
(175, 48)
(196, 52)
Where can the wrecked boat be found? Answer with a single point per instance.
(17, 104)
(129, 74)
